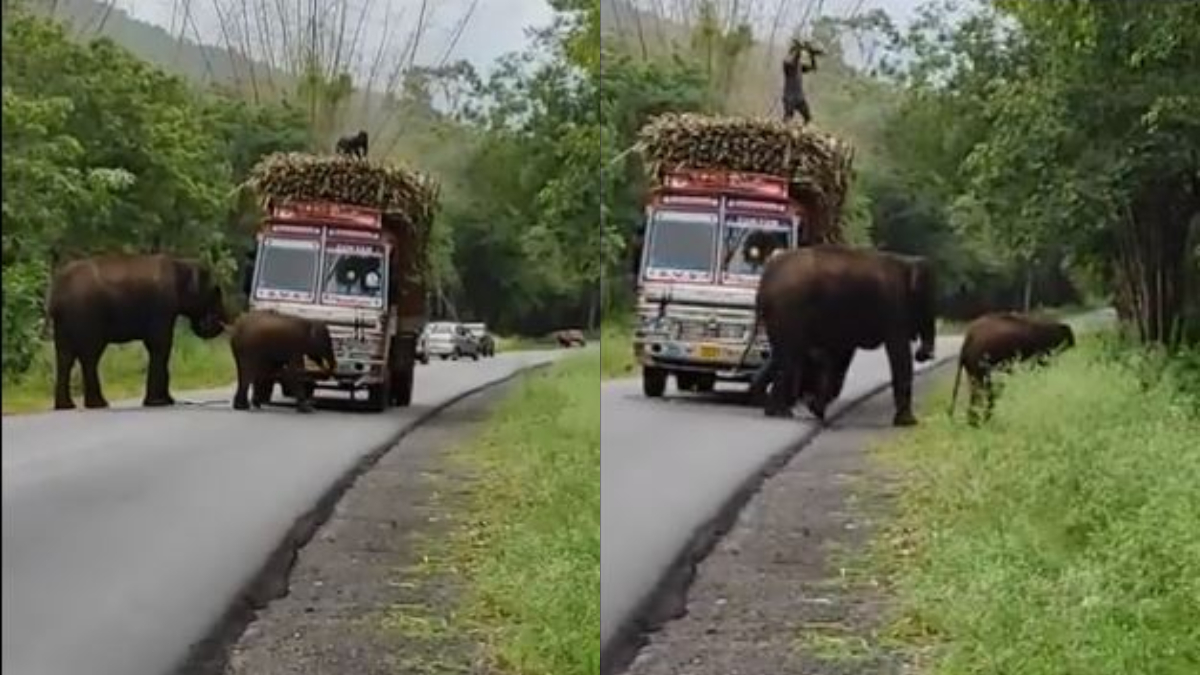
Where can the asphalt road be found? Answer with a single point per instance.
(128, 532)
(670, 466)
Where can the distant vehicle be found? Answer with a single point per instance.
(487, 343)
(569, 338)
(446, 340)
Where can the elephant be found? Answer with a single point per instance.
(102, 300)
(822, 303)
(267, 346)
(999, 339)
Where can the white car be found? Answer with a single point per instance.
(445, 340)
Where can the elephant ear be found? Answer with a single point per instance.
(188, 279)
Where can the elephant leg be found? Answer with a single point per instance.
(64, 361)
(900, 358)
(244, 379)
(291, 379)
(158, 385)
(979, 385)
(263, 381)
(783, 389)
(763, 378)
(89, 363)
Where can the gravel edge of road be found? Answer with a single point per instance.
(273, 578)
(668, 600)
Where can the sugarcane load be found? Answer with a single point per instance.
(344, 241)
(726, 193)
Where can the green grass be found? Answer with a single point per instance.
(1064, 537)
(616, 351)
(530, 546)
(195, 364)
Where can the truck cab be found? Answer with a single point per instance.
(707, 236)
(336, 264)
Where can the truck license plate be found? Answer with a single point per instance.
(711, 352)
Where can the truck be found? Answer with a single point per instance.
(357, 270)
(710, 226)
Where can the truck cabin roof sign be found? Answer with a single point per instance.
(748, 184)
(327, 213)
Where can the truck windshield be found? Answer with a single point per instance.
(747, 242)
(287, 269)
(681, 245)
(354, 274)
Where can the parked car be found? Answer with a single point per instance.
(446, 340)
(487, 343)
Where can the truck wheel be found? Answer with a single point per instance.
(654, 382)
(402, 388)
(475, 355)
(377, 397)
(706, 383)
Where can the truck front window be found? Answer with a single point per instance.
(287, 270)
(748, 242)
(353, 275)
(681, 243)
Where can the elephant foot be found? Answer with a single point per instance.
(782, 413)
(60, 404)
(904, 419)
(158, 402)
(305, 407)
(241, 404)
(95, 404)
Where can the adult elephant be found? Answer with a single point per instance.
(822, 303)
(98, 301)
(1000, 339)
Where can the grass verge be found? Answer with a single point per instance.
(616, 351)
(195, 364)
(529, 550)
(1062, 537)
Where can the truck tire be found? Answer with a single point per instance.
(402, 388)
(654, 382)
(378, 397)
(705, 383)
(403, 366)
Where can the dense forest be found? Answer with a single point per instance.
(107, 151)
(1042, 153)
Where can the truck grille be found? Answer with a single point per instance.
(695, 330)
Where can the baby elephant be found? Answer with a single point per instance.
(268, 345)
(998, 339)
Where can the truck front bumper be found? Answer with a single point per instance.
(722, 359)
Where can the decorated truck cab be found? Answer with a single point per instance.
(358, 269)
(726, 193)
(708, 235)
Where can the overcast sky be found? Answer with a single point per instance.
(496, 27)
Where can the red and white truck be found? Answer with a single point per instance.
(357, 270)
(707, 235)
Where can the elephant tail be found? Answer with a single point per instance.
(954, 394)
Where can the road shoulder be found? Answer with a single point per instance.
(787, 590)
(361, 599)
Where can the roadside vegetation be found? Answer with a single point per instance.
(616, 351)
(528, 542)
(1062, 536)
